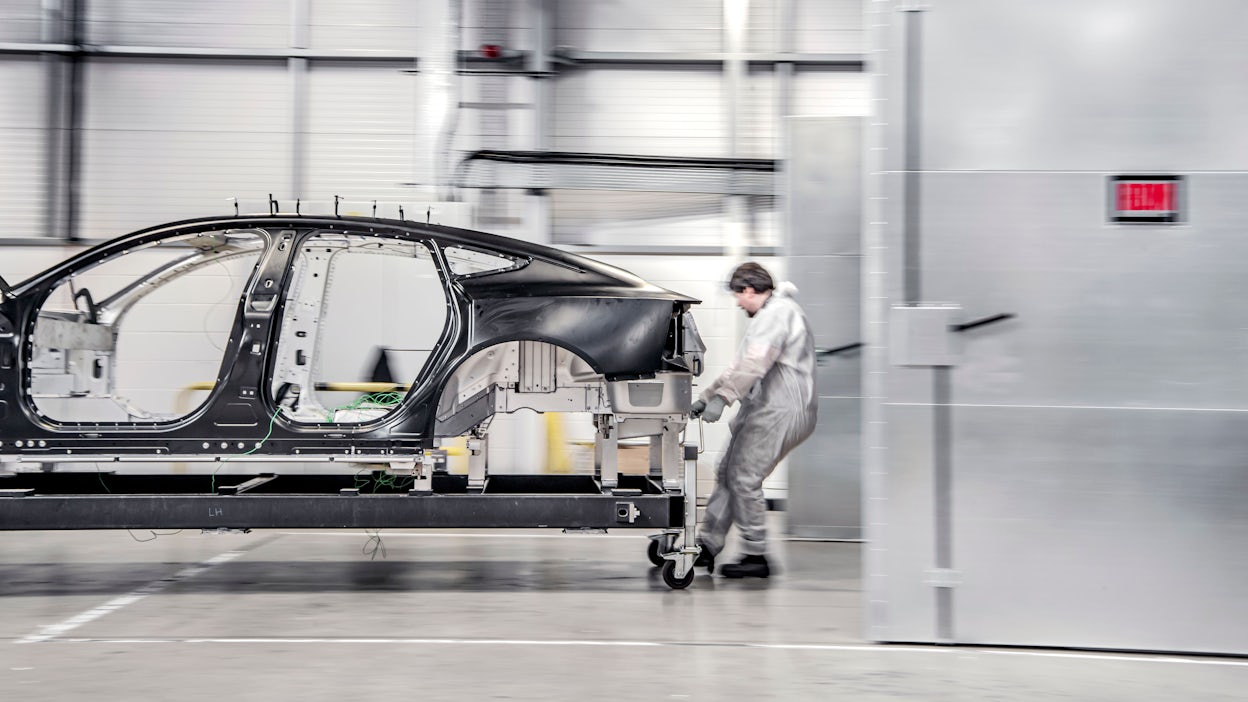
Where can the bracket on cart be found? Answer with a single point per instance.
(663, 433)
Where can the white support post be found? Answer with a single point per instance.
(671, 456)
(607, 453)
(478, 451)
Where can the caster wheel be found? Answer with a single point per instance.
(669, 576)
(652, 552)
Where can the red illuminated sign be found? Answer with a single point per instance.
(1145, 199)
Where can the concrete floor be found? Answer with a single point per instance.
(490, 615)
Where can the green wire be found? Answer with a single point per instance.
(380, 479)
(212, 486)
(377, 400)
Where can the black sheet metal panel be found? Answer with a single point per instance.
(335, 512)
(38, 501)
(621, 325)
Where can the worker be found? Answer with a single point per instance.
(773, 379)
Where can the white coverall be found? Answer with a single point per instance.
(773, 376)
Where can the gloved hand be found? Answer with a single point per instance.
(714, 409)
(696, 409)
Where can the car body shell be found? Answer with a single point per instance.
(620, 325)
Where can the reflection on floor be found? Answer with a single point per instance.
(489, 614)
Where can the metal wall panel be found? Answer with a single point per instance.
(821, 26)
(221, 23)
(656, 112)
(1097, 438)
(758, 129)
(1103, 528)
(828, 290)
(503, 22)
(823, 196)
(1071, 85)
(1093, 442)
(394, 25)
(763, 22)
(21, 20)
(638, 25)
(901, 544)
(831, 93)
(23, 143)
(498, 113)
(362, 138)
(823, 178)
(825, 499)
(149, 158)
(1108, 315)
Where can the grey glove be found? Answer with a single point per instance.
(695, 410)
(714, 409)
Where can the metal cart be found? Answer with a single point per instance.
(386, 493)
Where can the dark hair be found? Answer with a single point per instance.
(750, 275)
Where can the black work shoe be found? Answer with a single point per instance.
(749, 567)
(705, 558)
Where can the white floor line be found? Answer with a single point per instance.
(390, 535)
(961, 651)
(476, 535)
(1071, 407)
(52, 631)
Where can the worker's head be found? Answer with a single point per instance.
(751, 285)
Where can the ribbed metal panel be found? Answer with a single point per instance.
(763, 26)
(226, 23)
(827, 25)
(501, 22)
(23, 140)
(20, 20)
(395, 25)
(22, 174)
(692, 25)
(21, 84)
(362, 133)
(831, 94)
(757, 118)
(149, 158)
(665, 113)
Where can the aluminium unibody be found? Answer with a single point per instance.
(635, 343)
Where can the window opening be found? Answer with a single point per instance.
(363, 315)
(471, 262)
(141, 336)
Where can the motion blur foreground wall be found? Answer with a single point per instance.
(1074, 475)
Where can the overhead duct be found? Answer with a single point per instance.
(589, 171)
